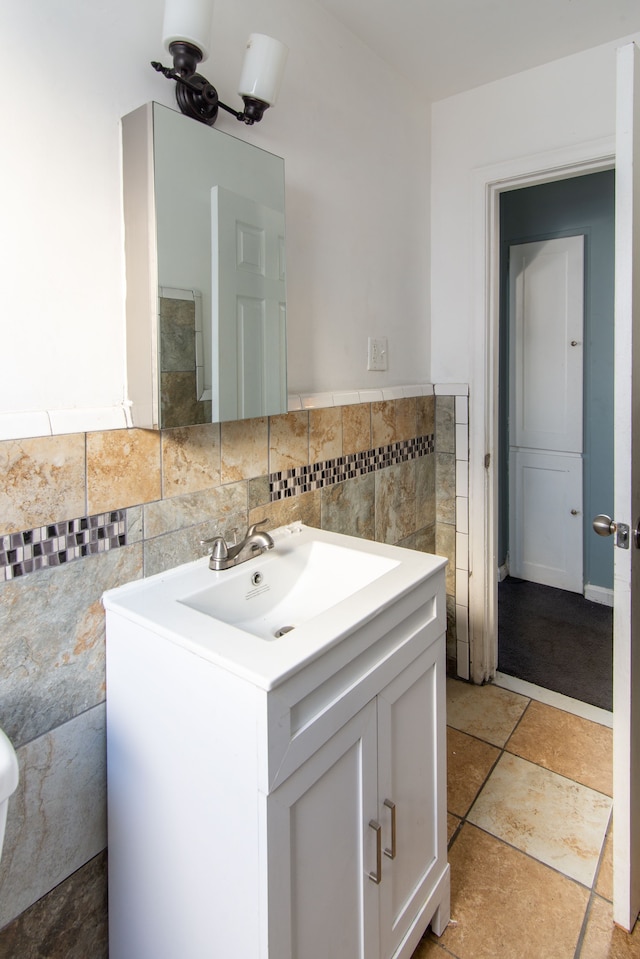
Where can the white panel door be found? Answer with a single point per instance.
(248, 300)
(626, 584)
(547, 311)
(545, 518)
(412, 786)
(321, 901)
(546, 321)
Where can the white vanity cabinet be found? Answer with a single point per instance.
(361, 852)
(297, 819)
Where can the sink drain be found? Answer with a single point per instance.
(282, 631)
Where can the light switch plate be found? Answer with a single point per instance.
(377, 353)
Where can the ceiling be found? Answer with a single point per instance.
(446, 46)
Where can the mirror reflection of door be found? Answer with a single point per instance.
(556, 429)
(248, 305)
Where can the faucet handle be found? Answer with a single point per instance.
(254, 527)
(219, 548)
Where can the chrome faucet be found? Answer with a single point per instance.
(224, 556)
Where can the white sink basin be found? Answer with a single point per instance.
(267, 617)
(291, 584)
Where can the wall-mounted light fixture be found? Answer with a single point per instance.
(186, 33)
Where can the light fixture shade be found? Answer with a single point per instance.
(263, 68)
(188, 21)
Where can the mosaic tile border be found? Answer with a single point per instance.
(59, 543)
(304, 479)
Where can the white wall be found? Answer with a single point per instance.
(355, 143)
(551, 108)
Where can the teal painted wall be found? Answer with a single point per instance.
(565, 208)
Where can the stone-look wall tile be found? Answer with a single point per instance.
(356, 428)
(52, 641)
(169, 515)
(42, 481)
(190, 459)
(305, 508)
(177, 334)
(179, 403)
(445, 424)
(423, 540)
(325, 434)
(425, 415)
(70, 922)
(446, 546)
(245, 449)
(185, 545)
(288, 441)
(58, 815)
(383, 423)
(395, 502)
(445, 488)
(406, 419)
(425, 491)
(123, 469)
(259, 491)
(350, 507)
(135, 530)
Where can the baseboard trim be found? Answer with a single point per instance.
(598, 594)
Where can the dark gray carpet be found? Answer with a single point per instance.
(557, 640)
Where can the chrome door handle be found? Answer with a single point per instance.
(377, 875)
(605, 526)
(391, 853)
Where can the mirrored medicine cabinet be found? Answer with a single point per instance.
(205, 272)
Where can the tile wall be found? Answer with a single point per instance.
(369, 469)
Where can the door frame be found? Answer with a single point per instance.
(488, 184)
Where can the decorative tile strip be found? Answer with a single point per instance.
(59, 543)
(304, 479)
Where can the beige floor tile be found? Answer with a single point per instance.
(488, 712)
(452, 824)
(428, 949)
(508, 906)
(468, 764)
(603, 940)
(559, 822)
(604, 883)
(567, 744)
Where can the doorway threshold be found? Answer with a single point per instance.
(551, 698)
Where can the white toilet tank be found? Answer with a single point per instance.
(8, 779)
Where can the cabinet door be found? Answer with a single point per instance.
(321, 849)
(411, 771)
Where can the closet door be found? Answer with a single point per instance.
(545, 411)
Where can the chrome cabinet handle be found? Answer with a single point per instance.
(377, 875)
(391, 853)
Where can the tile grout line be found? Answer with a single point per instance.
(502, 750)
(593, 894)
